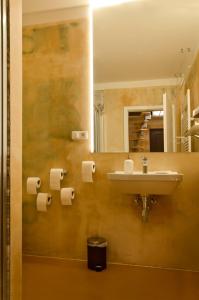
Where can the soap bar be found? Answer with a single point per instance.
(128, 166)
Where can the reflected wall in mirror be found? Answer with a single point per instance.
(146, 76)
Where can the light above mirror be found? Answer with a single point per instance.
(105, 3)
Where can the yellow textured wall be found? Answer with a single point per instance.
(114, 102)
(55, 101)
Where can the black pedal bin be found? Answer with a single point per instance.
(96, 250)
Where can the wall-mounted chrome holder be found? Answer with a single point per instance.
(56, 177)
(145, 202)
(49, 198)
(65, 172)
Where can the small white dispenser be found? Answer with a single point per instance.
(128, 166)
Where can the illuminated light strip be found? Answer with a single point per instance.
(91, 113)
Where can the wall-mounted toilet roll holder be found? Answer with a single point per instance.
(43, 201)
(67, 194)
(65, 172)
(49, 198)
(56, 176)
(33, 184)
(88, 169)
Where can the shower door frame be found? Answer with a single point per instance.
(4, 156)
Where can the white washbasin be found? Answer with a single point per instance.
(155, 183)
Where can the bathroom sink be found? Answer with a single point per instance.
(152, 183)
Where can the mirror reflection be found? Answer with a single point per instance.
(146, 76)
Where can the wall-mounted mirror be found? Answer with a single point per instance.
(146, 76)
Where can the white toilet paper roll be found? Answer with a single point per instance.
(33, 184)
(67, 195)
(56, 175)
(88, 169)
(43, 201)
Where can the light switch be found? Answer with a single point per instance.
(79, 135)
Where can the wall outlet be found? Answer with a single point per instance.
(79, 135)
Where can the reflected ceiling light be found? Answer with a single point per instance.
(104, 3)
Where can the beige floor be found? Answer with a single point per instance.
(46, 279)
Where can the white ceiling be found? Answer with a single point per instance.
(30, 6)
(142, 40)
